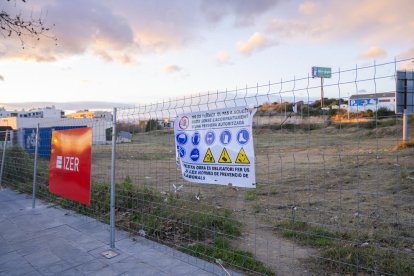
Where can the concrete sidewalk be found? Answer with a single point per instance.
(49, 241)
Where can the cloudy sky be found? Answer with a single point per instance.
(138, 51)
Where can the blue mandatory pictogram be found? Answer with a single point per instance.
(181, 138)
(243, 136)
(210, 137)
(181, 151)
(195, 139)
(195, 154)
(225, 137)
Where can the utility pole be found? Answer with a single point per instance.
(322, 92)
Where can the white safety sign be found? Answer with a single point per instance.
(216, 146)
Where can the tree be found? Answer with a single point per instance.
(152, 124)
(17, 25)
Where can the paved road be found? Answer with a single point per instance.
(50, 241)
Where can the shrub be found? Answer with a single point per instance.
(384, 112)
(152, 125)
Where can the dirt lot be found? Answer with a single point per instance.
(351, 181)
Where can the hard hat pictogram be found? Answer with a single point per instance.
(181, 138)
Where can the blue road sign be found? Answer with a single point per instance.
(225, 137)
(195, 154)
(243, 136)
(195, 139)
(210, 137)
(181, 138)
(181, 151)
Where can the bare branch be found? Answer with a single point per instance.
(18, 26)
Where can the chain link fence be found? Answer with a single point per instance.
(334, 189)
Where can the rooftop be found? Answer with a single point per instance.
(373, 95)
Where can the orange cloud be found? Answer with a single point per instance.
(373, 22)
(255, 43)
(223, 57)
(172, 68)
(308, 8)
(409, 54)
(373, 53)
(409, 64)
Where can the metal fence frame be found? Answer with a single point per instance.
(280, 122)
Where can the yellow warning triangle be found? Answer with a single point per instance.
(209, 158)
(224, 157)
(242, 157)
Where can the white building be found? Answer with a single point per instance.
(46, 112)
(365, 102)
(98, 126)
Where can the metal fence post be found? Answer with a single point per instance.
(35, 167)
(112, 203)
(405, 126)
(3, 158)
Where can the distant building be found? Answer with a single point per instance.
(365, 102)
(98, 126)
(91, 114)
(46, 112)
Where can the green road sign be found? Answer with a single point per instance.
(321, 72)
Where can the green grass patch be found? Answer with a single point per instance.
(251, 195)
(171, 217)
(146, 156)
(222, 250)
(167, 218)
(347, 252)
(304, 127)
(18, 167)
(305, 234)
(309, 127)
(369, 259)
(368, 125)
